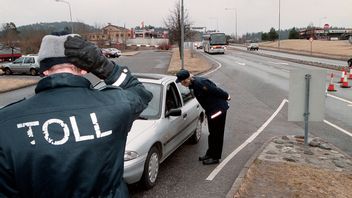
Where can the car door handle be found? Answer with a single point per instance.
(185, 115)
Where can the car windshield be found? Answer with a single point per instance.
(153, 110)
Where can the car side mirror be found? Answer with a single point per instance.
(174, 112)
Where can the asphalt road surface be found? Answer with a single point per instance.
(259, 88)
(295, 56)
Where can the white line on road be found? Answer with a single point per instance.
(217, 62)
(244, 144)
(278, 63)
(338, 98)
(338, 128)
(243, 64)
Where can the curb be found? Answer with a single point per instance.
(130, 53)
(316, 64)
(239, 180)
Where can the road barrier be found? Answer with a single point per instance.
(343, 74)
(345, 83)
(331, 86)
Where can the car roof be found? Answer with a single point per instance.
(155, 78)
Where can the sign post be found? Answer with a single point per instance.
(306, 109)
(311, 45)
(306, 97)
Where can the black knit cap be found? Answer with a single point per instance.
(182, 75)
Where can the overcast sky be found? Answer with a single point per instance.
(252, 15)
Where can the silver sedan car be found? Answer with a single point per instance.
(172, 117)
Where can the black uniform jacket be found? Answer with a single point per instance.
(212, 98)
(68, 140)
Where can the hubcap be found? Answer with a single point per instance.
(153, 168)
(199, 129)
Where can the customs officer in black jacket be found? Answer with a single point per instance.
(214, 101)
(68, 140)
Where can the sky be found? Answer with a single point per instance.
(252, 15)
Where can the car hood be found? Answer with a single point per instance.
(139, 127)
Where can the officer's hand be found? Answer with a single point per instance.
(87, 56)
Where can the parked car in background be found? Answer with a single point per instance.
(172, 117)
(253, 46)
(24, 65)
(111, 52)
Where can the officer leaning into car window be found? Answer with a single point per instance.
(68, 140)
(214, 101)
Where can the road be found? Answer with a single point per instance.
(297, 57)
(259, 87)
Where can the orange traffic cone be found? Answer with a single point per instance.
(342, 79)
(331, 86)
(350, 76)
(345, 83)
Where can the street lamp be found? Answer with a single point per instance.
(278, 44)
(235, 10)
(69, 7)
(182, 37)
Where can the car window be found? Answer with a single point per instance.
(29, 60)
(18, 61)
(186, 93)
(153, 111)
(172, 99)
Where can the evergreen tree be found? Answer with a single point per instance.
(265, 36)
(273, 35)
(293, 34)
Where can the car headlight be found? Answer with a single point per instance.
(130, 155)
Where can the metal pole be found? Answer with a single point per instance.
(235, 12)
(306, 109)
(69, 7)
(182, 37)
(278, 44)
(236, 22)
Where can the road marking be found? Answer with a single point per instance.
(338, 98)
(217, 62)
(278, 63)
(338, 128)
(243, 64)
(244, 144)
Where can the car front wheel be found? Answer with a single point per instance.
(151, 168)
(197, 132)
(33, 72)
(8, 71)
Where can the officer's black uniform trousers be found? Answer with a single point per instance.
(216, 128)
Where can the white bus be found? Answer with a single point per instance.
(214, 43)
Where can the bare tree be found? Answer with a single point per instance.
(9, 37)
(173, 23)
(31, 40)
